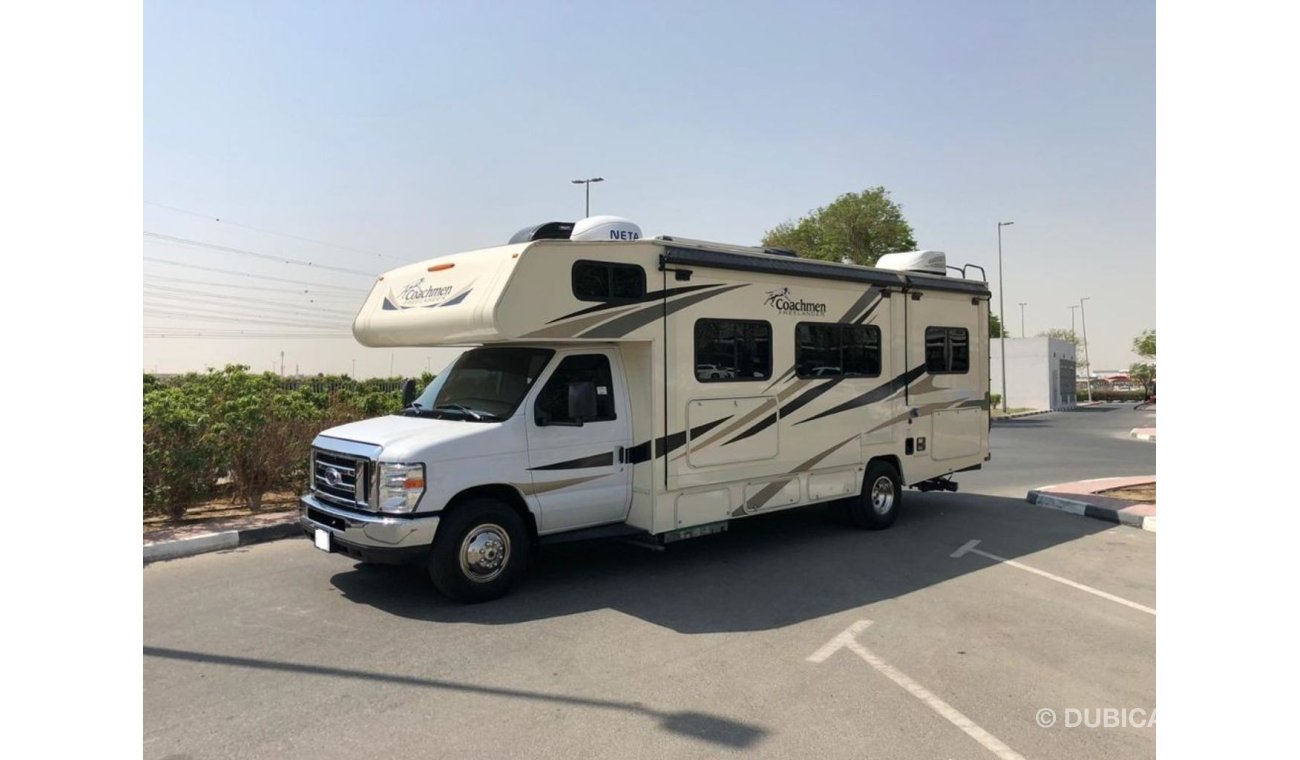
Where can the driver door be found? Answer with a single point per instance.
(576, 455)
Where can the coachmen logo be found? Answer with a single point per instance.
(416, 295)
(781, 300)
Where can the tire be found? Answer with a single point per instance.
(877, 506)
(479, 552)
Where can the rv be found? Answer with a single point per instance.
(648, 388)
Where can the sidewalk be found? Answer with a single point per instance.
(1084, 497)
(215, 535)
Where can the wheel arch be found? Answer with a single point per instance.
(506, 494)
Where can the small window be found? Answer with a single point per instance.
(947, 350)
(836, 350)
(732, 350)
(604, 281)
(553, 400)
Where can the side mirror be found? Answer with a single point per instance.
(582, 400)
(408, 392)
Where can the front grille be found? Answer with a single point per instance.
(341, 479)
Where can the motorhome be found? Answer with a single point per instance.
(654, 389)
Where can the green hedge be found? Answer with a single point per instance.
(1127, 396)
(255, 429)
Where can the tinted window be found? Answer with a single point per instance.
(603, 281)
(553, 400)
(732, 350)
(834, 350)
(947, 350)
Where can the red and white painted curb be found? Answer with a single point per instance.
(1084, 497)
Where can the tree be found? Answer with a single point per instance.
(995, 326)
(1143, 373)
(1144, 345)
(855, 227)
(1060, 333)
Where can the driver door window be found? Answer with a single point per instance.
(553, 400)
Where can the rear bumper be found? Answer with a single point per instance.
(369, 538)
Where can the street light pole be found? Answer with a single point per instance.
(1022, 320)
(588, 182)
(1002, 320)
(1087, 357)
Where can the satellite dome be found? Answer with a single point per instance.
(606, 228)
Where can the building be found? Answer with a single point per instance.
(1036, 368)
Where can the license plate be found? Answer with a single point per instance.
(322, 540)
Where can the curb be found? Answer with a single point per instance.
(1022, 414)
(158, 551)
(1077, 507)
(1143, 434)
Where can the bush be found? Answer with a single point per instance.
(181, 463)
(995, 400)
(256, 429)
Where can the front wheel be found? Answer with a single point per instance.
(876, 507)
(479, 552)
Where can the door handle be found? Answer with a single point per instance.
(620, 454)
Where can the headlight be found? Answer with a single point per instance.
(400, 486)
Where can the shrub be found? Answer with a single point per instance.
(181, 463)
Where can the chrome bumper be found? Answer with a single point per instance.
(370, 532)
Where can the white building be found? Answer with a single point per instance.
(1036, 368)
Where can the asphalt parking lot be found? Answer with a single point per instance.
(792, 635)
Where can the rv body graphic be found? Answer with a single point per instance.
(656, 388)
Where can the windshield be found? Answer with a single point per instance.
(483, 385)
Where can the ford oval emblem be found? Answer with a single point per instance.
(333, 477)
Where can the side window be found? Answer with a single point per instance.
(554, 398)
(732, 350)
(947, 350)
(604, 281)
(836, 350)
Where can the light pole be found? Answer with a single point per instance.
(1002, 321)
(588, 182)
(1087, 357)
(1022, 319)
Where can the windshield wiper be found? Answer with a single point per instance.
(459, 408)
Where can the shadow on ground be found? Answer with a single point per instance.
(766, 572)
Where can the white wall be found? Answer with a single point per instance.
(1031, 363)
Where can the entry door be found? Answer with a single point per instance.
(580, 476)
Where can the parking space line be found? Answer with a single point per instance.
(847, 639)
(969, 548)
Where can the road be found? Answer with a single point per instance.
(1087, 442)
(702, 650)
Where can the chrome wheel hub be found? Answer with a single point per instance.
(882, 495)
(484, 553)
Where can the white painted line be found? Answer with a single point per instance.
(840, 641)
(969, 547)
(847, 639)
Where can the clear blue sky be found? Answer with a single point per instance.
(417, 129)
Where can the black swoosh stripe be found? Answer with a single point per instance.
(620, 326)
(652, 296)
(595, 460)
(879, 393)
(790, 407)
(867, 313)
(665, 444)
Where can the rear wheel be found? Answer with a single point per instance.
(877, 506)
(479, 552)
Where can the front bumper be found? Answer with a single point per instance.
(369, 538)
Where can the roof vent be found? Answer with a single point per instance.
(546, 231)
(926, 262)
